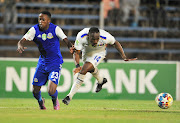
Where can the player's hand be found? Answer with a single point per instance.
(21, 48)
(132, 59)
(72, 49)
(77, 70)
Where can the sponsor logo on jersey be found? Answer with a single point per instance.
(44, 36)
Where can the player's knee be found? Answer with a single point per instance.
(36, 90)
(51, 91)
(95, 71)
(83, 72)
(92, 71)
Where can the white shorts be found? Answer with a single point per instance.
(94, 59)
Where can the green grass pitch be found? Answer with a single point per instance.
(88, 111)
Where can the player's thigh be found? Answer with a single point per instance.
(40, 79)
(54, 75)
(87, 67)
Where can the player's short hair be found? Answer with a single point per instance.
(93, 30)
(46, 13)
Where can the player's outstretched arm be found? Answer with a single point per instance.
(69, 45)
(118, 46)
(131, 59)
(20, 45)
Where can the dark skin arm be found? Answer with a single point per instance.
(20, 45)
(67, 42)
(69, 45)
(76, 56)
(118, 46)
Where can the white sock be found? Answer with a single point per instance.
(97, 75)
(76, 85)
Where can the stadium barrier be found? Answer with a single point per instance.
(138, 80)
(121, 39)
(109, 50)
(108, 28)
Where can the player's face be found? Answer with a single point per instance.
(43, 21)
(94, 38)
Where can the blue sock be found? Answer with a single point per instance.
(54, 96)
(38, 96)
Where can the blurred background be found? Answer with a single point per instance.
(147, 29)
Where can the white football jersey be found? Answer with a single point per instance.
(82, 43)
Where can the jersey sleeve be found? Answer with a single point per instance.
(60, 33)
(78, 43)
(30, 34)
(110, 39)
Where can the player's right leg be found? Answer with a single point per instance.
(40, 78)
(38, 97)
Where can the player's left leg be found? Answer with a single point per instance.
(95, 61)
(77, 84)
(100, 79)
(54, 94)
(52, 85)
(97, 75)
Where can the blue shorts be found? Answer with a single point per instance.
(44, 73)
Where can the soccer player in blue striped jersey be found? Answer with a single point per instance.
(46, 35)
(92, 42)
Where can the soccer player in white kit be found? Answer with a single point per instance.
(92, 42)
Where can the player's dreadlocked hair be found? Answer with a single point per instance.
(46, 13)
(93, 30)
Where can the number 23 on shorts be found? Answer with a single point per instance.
(54, 76)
